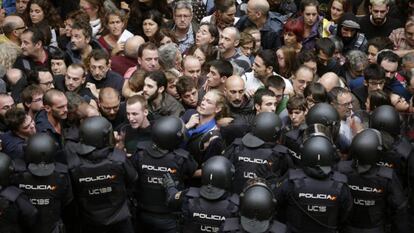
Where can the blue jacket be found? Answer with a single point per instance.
(12, 145)
(9, 6)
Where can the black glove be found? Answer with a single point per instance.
(168, 181)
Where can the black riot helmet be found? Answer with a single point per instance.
(217, 176)
(325, 114)
(95, 133)
(266, 126)
(39, 154)
(318, 152)
(5, 169)
(168, 132)
(257, 205)
(385, 118)
(366, 147)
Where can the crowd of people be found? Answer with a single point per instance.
(206, 116)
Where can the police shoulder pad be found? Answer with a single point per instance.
(295, 174)
(339, 177)
(252, 141)
(117, 155)
(237, 141)
(19, 165)
(234, 198)
(231, 224)
(11, 193)
(280, 149)
(182, 153)
(73, 161)
(385, 172)
(61, 168)
(278, 227)
(193, 192)
(345, 166)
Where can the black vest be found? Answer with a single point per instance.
(207, 215)
(9, 212)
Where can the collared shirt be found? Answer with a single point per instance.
(398, 38)
(188, 41)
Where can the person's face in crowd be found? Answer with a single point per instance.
(208, 105)
(409, 35)
(372, 54)
(21, 6)
(190, 98)
(79, 40)
(390, 68)
(37, 103)
(165, 40)
(36, 13)
(379, 13)
(259, 68)
(115, 25)
(136, 114)
(150, 27)
(88, 9)
(203, 36)
(269, 104)
(213, 78)
(182, 18)
(301, 80)
(247, 49)
(68, 27)
(192, 68)
(337, 10)
(227, 16)
(58, 67)
(109, 107)
(59, 107)
(149, 60)
(172, 89)
(200, 56)
(20, 27)
(45, 80)
(234, 93)
(344, 105)
(399, 103)
(347, 32)
(27, 128)
(6, 103)
(375, 85)
(74, 79)
(227, 40)
(151, 90)
(297, 117)
(323, 58)
(310, 15)
(311, 65)
(258, 39)
(99, 68)
(251, 11)
(281, 58)
(27, 46)
(289, 38)
(278, 94)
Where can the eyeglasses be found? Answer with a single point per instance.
(183, 16)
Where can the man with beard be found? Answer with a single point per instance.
(377, 24)
(21, 127)
(32, 99)
(325, 49)
(240, 105)
(100, 74)
(159, 102)
(6, 102)
(228, 47)
(348, 32)
(111, 108)
(50, 119)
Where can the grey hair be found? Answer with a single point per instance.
(183, 5)
(356, 59)
(339, 45)
(167, 54)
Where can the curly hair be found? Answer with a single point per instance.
(8, 54)
(51, 16)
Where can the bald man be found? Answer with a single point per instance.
(110, 106)
(121, 62)
(13, 27)
(329, 80)
(240, 104)
(269, 23)
(192, 68)
(228, 47)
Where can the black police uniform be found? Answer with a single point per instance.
(252, 158)
(200, 214)
(17, 214)
(100, 180)
(375, 193)
(152, 163)
(314, 202)
(232, 225)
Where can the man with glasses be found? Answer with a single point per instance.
(374, 80)
(341, 99)
(13, 27)
(111, 108)
(184, 28)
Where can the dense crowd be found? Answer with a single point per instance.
(206, 116)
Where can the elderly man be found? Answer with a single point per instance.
(403, 38)
(183, 27)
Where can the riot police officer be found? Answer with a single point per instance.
(205, 209)
(257, 154)
(397, 148)
(257, 205)
(17, 214)
(376, 190)
(315, 199)
(101, 175)
(152, 160)
(45, 182)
